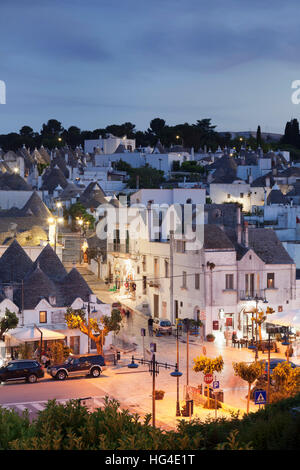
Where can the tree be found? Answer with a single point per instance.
(156, 126)
(26, 131)
(249, 373)
(208, 366)
(8, 322)
(78, 210)
(148, 177)
(258, 137)
(286, 380)
(95, 329)
(59, 352)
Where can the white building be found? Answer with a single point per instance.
(109, 144)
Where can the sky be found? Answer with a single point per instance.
(91, 63)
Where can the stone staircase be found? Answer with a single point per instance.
(71, 251)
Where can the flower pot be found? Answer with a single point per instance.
(159, 394)
(210, 339)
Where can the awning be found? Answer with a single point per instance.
(31, 333)
(290, 318)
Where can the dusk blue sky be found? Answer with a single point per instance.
(92, 63)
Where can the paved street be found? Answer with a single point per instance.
(133, 388)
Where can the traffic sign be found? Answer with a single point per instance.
(208, 378)
(260, 397)
(216, 384)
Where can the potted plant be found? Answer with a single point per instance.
(210, 338)
(159, 394)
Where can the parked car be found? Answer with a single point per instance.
(84, 364)
(273, 363)
(162, 326)
(22, 369)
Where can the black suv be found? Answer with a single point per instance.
(86, 364)
(22, 369)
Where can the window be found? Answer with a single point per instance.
(249, 285)
(156, 268)
(116, 241)
(144, 284)
(166, 268)
(197, 281)
(229, 281)
(270, 280)
(144, 263)
(180, 246)
(43, 316)
(184, 279)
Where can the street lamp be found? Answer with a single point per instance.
(154, 371)
(286, 342)
(80, 223)
(53, 222)
(257, 299)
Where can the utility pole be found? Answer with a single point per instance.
(172, 275)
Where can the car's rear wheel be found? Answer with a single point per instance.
(96, 372)
(61, 375)
(32, 378)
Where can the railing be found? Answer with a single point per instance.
(252, 295)
(118, 248)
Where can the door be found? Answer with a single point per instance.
(156, 305)
(14, 371)
(75, 344)
(176, 308)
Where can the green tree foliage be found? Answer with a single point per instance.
(71, 427)
(25, 351)
(76, 211)
(8, 322)
(146, 177)
(286, 380)
(207, 365)
(58, 352)
(96, 329)
(291, 134)
(250, 373)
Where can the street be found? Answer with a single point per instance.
(133, 388)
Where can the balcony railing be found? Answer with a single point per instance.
(118, 248)
(252, 295)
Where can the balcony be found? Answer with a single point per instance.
(251, 295)
(120, 248)
(154, 283)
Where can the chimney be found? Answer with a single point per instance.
(93, 298)
(52, 300)
(239, 226)
(268, 181)
(9, 292)
(246, 235)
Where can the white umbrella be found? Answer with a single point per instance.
(289, 318)
(32, 333)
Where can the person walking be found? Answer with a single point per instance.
(150, 326)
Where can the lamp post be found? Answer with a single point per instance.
(177, 362)
(286, 342)
(154, 371)
(80, 223)
(54, 221)
(257, 299)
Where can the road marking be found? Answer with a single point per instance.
(37, 406)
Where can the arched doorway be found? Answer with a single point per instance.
(199, 314)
